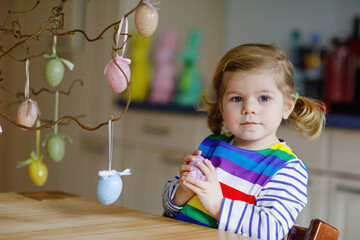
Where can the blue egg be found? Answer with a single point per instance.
(109, 189)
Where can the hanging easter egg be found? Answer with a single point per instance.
(109, 187)
(55, 147)
(146, 20)
(54, 72)
(38, 172)
(196, 172)
(115, 77)
(27, 113)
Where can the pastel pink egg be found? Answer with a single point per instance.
(115, 77)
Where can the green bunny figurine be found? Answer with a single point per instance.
(189, 85)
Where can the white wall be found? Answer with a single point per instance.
(272, 21)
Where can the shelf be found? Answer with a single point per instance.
(167, 108)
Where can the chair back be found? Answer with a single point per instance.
(317, 230)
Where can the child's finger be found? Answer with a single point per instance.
(197, 152)
(205, 167)
(188, 158)
(185, 168)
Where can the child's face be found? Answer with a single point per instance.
(253, 108)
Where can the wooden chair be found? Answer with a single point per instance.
(317, 230)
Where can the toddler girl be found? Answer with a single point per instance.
(255, 184)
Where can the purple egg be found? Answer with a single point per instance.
(196, 172)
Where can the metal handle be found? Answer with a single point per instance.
(348, 189)
(154, 130)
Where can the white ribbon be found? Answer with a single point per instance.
(125, 37)
(27, 83)
(0, 129)
(151, 6)
(32, 107)
(107, 173)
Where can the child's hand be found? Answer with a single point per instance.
(184, 194)
(209, 191)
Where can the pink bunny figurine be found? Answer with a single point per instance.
(164, 82)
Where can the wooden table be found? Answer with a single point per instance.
(57, 215)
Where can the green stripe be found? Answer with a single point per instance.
(222, 137)
(199, 216)
(278, 153)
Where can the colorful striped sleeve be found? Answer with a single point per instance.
(170, 188)
(276, 208)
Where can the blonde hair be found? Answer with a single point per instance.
(308, 116)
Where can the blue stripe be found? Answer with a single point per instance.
(291, 185)
(272, 207)
(259, 225)
(245, 162)
(221, 210)
(283, 198)
(302, 164)
(251, 219)
(291, 176)
(268, 226)
(300, 173)
(229, 215)
(281, 203)
(281, 189)
(241, 218)
(205, 150)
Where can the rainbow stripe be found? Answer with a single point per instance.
(242, 173)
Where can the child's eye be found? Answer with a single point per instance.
(236, 99)
(264, 98)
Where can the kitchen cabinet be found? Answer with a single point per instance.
(153, 147)
(344, 210)
(334, 178)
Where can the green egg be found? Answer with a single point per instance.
(55, 148)
(54, 72)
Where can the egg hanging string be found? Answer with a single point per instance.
(32, 104)
(110, 172)
(111, 140)
(26, 92)
(125, 37)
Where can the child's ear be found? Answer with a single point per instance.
(288, 108)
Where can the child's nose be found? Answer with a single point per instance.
(248, 108)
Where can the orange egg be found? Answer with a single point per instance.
(27, 113)
(146, 20)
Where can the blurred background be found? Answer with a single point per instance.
(171, 70)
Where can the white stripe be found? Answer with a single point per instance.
(237, 183)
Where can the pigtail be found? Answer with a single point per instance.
(307, 118)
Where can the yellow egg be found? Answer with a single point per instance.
(27, 113)
(146, 20)
(38, 172)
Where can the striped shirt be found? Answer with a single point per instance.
(264, 190)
